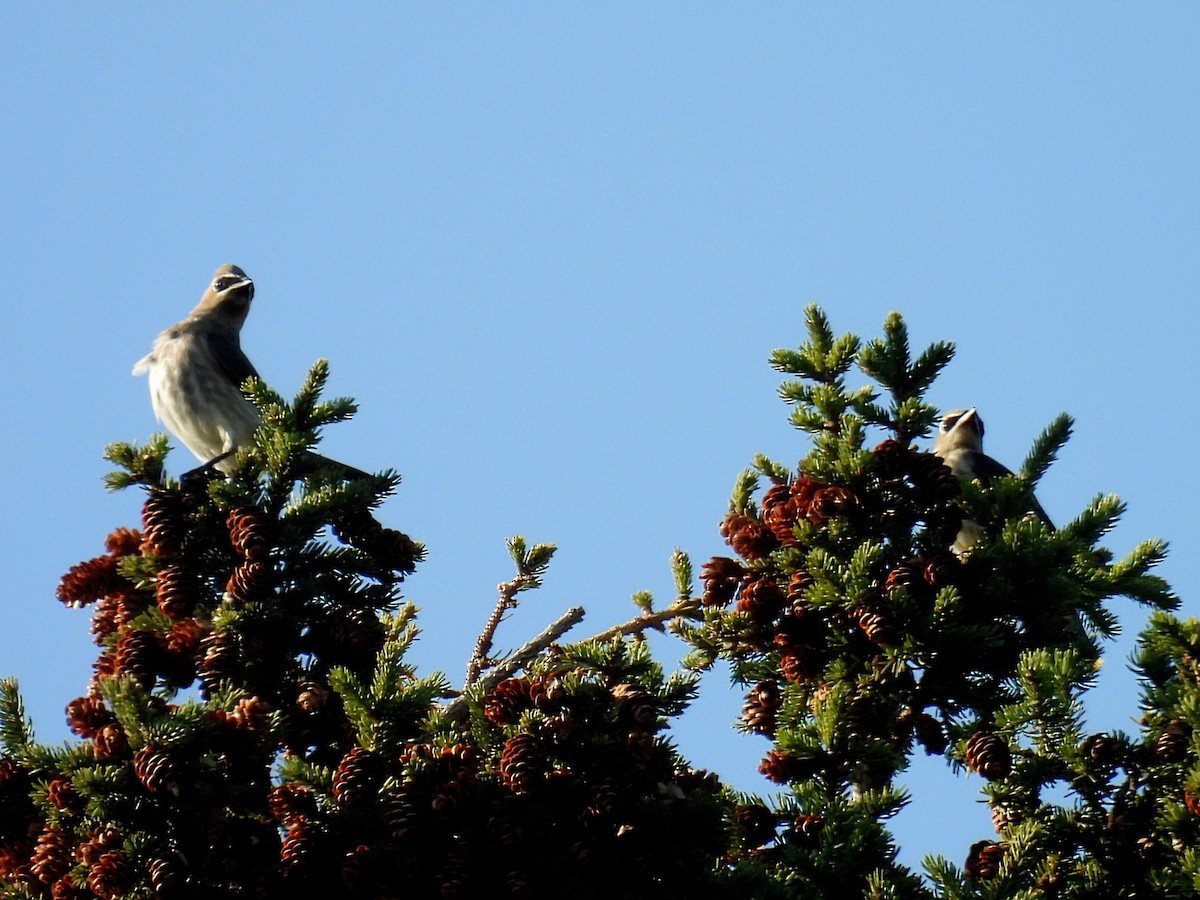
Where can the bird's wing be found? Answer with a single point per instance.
(987, 468)
(228, 354)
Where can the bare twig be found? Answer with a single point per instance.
(681, 608)
(457, 709)
(508, 591)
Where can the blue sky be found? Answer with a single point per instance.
(549, 249)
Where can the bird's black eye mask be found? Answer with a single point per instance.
(949, 422)
(225, 282)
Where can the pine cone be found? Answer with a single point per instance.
(248, 530)
(798, 586)
(157, 770)
(250, 580)
(831, 501)
(292, 803)
(1172, 744)
(311, 696)
(506, 702)
(940, 569)
(933, 478)
(761, 599)
(1101, 749)
(983, 861)
(175, 592)
(163, 525)
(909, 575)
(111, 875)
(139, 655)
(123, 542)
(66, 889)
(762, 703)
(635, 706)
(721, 576)
(220, 660)
(804, 489)
(801, 664)
(390, 547)
(87, 715)
(780, 510)
(90, 581)
(988, 755)
(750, 539)
(546, 692)
(877, 622)
(62, 794)
(522, 763)
(756, 824)
(784, 768)
(404, 814)
(52, 855)
(167, 875)
(892, 459)
(806, 829)
(111, 743)
(357, 777)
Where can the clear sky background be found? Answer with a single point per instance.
(548, 248)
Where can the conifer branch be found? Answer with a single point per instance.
(457, 709)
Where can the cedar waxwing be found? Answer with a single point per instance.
(197, 369)
(960, 445)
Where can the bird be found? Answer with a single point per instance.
(196, 371)
(959, 444)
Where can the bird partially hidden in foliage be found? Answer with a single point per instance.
(960, 445)
(197, 370)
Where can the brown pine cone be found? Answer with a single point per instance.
(111, 743)
(90, 581)
(405, 814)
(248, 529)
(806, 829)
(1172, 744)
(801, 664)
(798, 585)
(111, 875)
(62, 794)
(930, 733)
(749, 538)
(87, 715)
(52, 857)
(877, 622)
(988, 755)
(892, 459)
(175, 592)
(983, 861)
(1101, 749)
(721, 576)
(546, 692)
(158, 770)
(784, 768)
(762, 599)
(780, 510)
(830, 501)
(250, 580)
(756, 824)
(933, 478)
(761, 706)
(291, 803)
(220, 659)
(163, 525)
(634, 706)
(123, 542)
(357, 778)
(139, 655)
(522, 763)
(166, 875)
